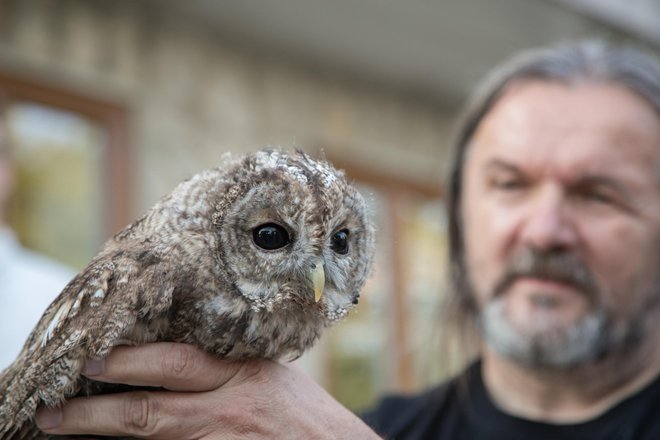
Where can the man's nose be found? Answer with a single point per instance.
(549, 222)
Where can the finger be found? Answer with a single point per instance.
(141, 414)
(177, 367)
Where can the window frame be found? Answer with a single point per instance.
(111, 116)
(395, 189)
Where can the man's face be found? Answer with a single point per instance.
(561, 212)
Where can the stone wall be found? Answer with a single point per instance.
(192, 95)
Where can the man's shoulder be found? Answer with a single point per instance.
(413, 416)
(412, 402)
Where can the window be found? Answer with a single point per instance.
(69, 155)
(385, 344)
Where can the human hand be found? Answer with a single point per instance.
(205, 398)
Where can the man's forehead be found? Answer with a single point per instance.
(553, 125)
(544, 104)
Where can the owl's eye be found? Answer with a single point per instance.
(340, 242)
(270, 236)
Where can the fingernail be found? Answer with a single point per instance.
(49, 418)
(94, 367)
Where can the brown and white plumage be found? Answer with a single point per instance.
(232, 261)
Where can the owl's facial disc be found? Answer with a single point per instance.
(296, 234)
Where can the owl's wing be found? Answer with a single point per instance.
(98, 308)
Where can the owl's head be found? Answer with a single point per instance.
(293, 231)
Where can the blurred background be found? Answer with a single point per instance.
(109, 104)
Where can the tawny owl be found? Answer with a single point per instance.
(253, 258)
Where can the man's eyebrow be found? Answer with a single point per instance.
(499, 164)
(586, 179)
(601, 180)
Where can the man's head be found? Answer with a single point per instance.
(555, 204)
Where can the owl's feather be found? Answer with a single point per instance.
(192, 270)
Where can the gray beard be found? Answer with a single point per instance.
(547, 345)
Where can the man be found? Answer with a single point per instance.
(28, 281)
(555, 231)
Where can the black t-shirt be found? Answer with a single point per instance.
(462, 409)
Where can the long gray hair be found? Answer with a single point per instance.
(585, 61)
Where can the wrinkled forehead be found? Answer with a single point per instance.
(581, 125)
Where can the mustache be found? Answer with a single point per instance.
(553, 265)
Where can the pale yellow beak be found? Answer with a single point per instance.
(317, 276)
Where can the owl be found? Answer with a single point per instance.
(251, 259)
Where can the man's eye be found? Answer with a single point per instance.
(508, 184)
(598, 197)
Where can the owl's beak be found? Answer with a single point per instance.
(317, 276)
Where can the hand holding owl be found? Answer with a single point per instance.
(206, 398)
